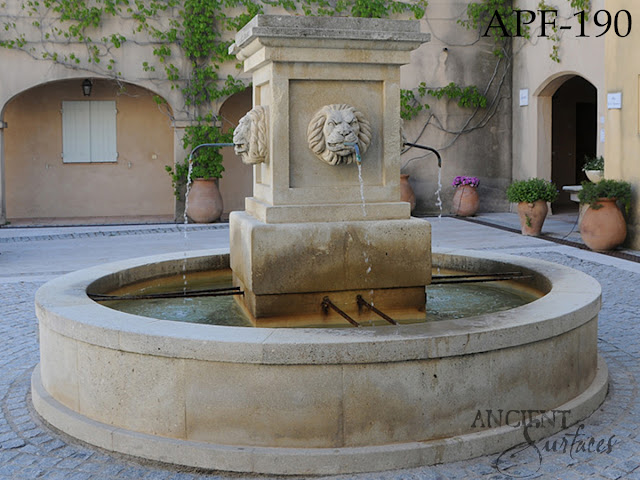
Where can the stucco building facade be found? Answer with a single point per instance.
(542, 117)
(134, 185)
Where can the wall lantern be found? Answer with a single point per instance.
(86, 87)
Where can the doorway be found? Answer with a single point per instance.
(573, 136)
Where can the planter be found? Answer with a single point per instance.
(532, 217)
(465, 201)
(204, 204)
(594, 175)
(603, 228)
(406, 192)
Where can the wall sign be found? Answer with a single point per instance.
(524, 97)
(614, 101)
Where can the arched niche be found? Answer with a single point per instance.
(40, 184)
(237, 180)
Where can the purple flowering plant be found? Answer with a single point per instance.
(462, 181)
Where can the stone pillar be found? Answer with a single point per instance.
(179, 154)
(319, 225)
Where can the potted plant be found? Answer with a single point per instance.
(199, 181)
(603, 226)
(532, 197)
(406, 191)
(465, 198)
(594, 168)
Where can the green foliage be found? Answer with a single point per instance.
(593, 163)
(531, 190)
(383, 8)
(410, 106)
(468, 97)
(554, 37)
(581, 5)
(194, 34)
(207, 161)
(370, 8)
(617, 189)
(479, 14)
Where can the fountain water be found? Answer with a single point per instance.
(316, 401)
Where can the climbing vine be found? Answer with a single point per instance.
(188, 40)
(187, 43)
(466, 97)
(481, 14)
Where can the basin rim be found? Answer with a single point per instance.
(63, 305)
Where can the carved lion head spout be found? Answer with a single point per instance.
(334, 125)
(250, 136)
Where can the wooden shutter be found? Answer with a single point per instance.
(76, 138)
(89, 131)
(103, 132)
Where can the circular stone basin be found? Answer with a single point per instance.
(316, 401)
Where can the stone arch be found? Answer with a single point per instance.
(237, 180)
(38, 184)
(567, 105)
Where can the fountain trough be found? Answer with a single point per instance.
(313, 401)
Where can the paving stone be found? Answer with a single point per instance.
(613, 473)
(79, 476)
(10, 469)
(29, 449)
(629, 465)
(71, 463)
(23, 460)
(56, 475)
(32, 472)
(13, 443)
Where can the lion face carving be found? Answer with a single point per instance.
(250, 136)
(334, 125)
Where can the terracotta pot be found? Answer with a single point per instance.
(594, 175)
(204, 204)
(532, 217)
(603, 228)
(465, 201)
(406, 192)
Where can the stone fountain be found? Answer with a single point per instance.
(325, 223)
(318, 84)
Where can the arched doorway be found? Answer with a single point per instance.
(77, 158)
(574, 122)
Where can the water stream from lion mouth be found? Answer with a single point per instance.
(364, 215)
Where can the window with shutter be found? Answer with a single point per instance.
(89, 132)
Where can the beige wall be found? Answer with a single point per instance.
(458, 55)
(622, 147)
(38, 184)
(485, 152)
(27, 74)
(535, 71)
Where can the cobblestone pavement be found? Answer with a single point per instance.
(30, 449)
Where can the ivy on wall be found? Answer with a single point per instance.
(478, 16)
(188, 43)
